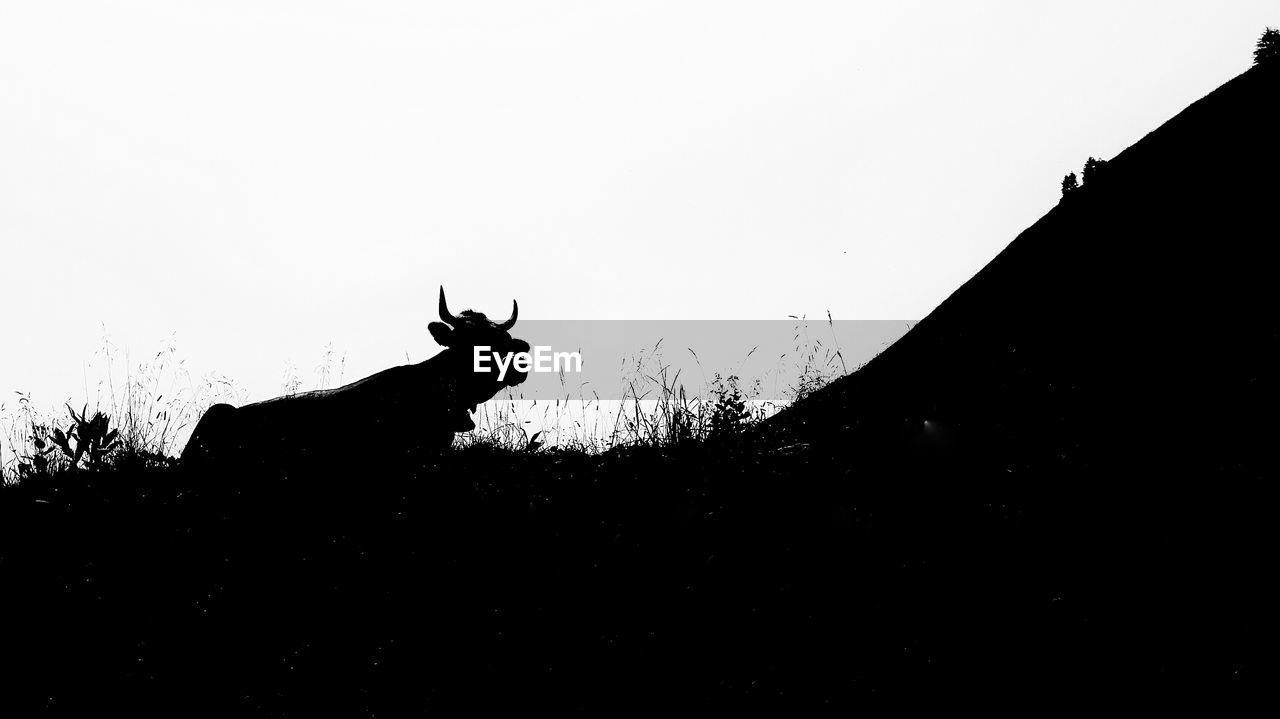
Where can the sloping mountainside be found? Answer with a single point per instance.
(1136, 318)
(1054, 489)
(1112, 374)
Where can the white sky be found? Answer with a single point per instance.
(264, 177)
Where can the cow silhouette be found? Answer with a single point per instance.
(398, 412)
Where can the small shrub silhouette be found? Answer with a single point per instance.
(1268, 47)
(93, 440)
(86, 443)
(729, 411)
(1070, 184)
(36, 464)
(1094, 170)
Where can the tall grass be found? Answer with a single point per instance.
(155, 403)
(152, 405)
(659, 407)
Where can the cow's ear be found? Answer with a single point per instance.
(441, 333)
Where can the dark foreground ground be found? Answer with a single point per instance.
(734, 577)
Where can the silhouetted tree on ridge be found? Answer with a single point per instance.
(1268, 47)
(1070, 184)
(1094, 169)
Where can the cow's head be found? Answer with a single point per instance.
(460, 334)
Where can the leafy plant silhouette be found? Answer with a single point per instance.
(87, 439)
(729, 411)
(534, 444)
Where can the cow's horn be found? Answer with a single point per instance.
(444, 310)
(515, 310)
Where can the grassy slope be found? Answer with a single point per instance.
(1112, 374)
(1152, 279)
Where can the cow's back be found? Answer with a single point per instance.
(212, 437)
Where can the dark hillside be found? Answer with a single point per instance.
(1112, 373)
(1139, 310)
(1139, 303)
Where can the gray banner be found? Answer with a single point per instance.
(639, 359)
